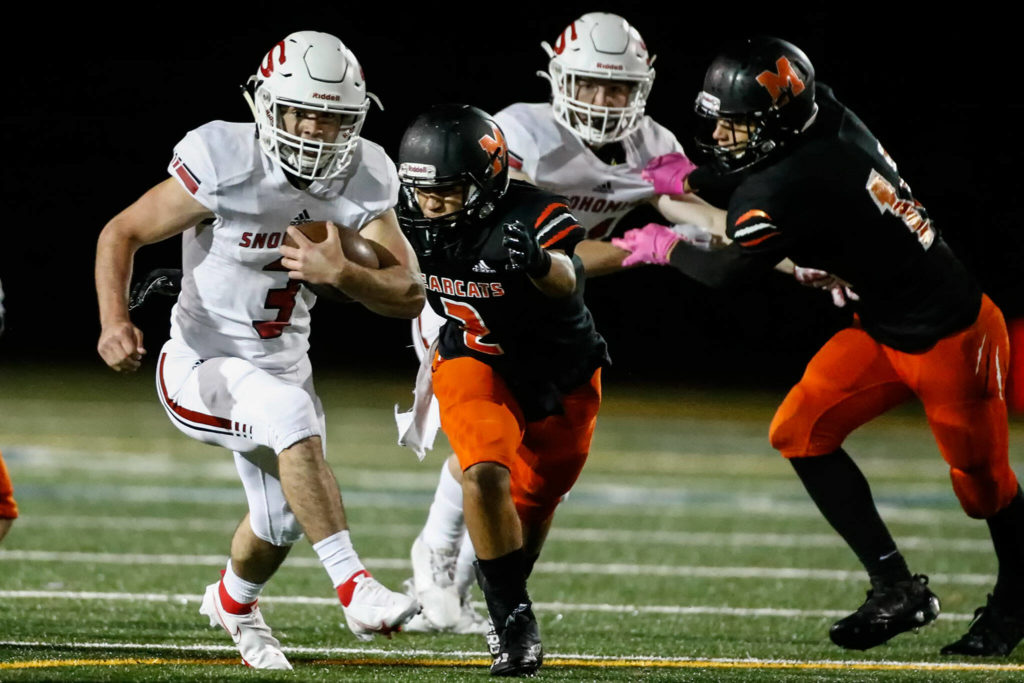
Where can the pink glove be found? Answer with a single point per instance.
(820, 279)
(668, 173)
(649, 244)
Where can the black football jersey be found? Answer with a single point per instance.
(541, 346)
(836, 202)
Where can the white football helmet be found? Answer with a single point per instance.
(312, 74)
(598, 46)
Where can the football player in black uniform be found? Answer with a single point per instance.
(816, 186)
(517, 367)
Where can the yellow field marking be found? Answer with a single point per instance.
(551, 662)
(124, 661)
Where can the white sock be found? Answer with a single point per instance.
(338, 556)
(465, 575)
(238, 589)
(445, 524)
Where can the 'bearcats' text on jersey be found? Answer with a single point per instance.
(541, 346)
(835, 201)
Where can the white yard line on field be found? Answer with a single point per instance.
(625, 610)
(564, 568)
(564, 533)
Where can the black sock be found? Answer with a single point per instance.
(503, 582)
(1007, 529)
(839, 489)
(530, 562)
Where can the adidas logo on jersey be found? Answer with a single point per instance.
(303, 217)
(604, 188)
(482, 267)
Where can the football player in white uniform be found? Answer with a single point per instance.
(594, 144)
(234, 372)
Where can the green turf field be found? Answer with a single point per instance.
(688, 550)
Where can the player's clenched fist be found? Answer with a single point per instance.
(523, 251)
(120, 346)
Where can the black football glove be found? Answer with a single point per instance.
(165, 281)
(523, 251)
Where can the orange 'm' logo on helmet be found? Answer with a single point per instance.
(268, 66)
(497, 148)
(786, 79)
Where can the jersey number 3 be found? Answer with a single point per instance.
(283, 299)
(473, 327)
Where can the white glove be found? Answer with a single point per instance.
(820, 279)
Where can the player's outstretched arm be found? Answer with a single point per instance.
(165, 210)
(600, 258)
(395, 289)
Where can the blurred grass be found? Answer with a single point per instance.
(678, 479)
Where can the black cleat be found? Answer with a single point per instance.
(994, 632)
(519, 649)
(889, 610)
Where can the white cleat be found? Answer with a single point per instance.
(259, 649)
(433, 573)
(470, 622)
(375, 610)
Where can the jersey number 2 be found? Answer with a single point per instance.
(283, 299)
(473, 327)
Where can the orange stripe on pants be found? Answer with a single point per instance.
(8, 508)
(853, 379)
(484, 423)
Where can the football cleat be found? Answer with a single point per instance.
(259, 649)
(375, 610)
(995, 631)
(890, 609)
(433, 573)
(519, 651)
(470, 622)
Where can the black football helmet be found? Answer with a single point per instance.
(765, 84)
(450, 145)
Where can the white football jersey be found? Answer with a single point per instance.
(236, 300)
(557, 160)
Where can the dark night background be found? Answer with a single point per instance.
(96, 100)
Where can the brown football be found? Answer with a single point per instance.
(356, 248)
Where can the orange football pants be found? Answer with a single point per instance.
(484, 423)
(8, 508)
(853, 379)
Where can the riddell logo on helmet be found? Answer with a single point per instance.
(615, 67)
(326, 96)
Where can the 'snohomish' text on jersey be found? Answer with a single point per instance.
(541, 346)
(835, 201)
(236, 299)
(598, 194)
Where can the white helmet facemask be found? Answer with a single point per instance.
(598, 47)
(311, 81)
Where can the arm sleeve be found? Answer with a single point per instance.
(727, 267)
(557, 228)
(757, 245)
(192, 167)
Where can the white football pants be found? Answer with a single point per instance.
(231, 403)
